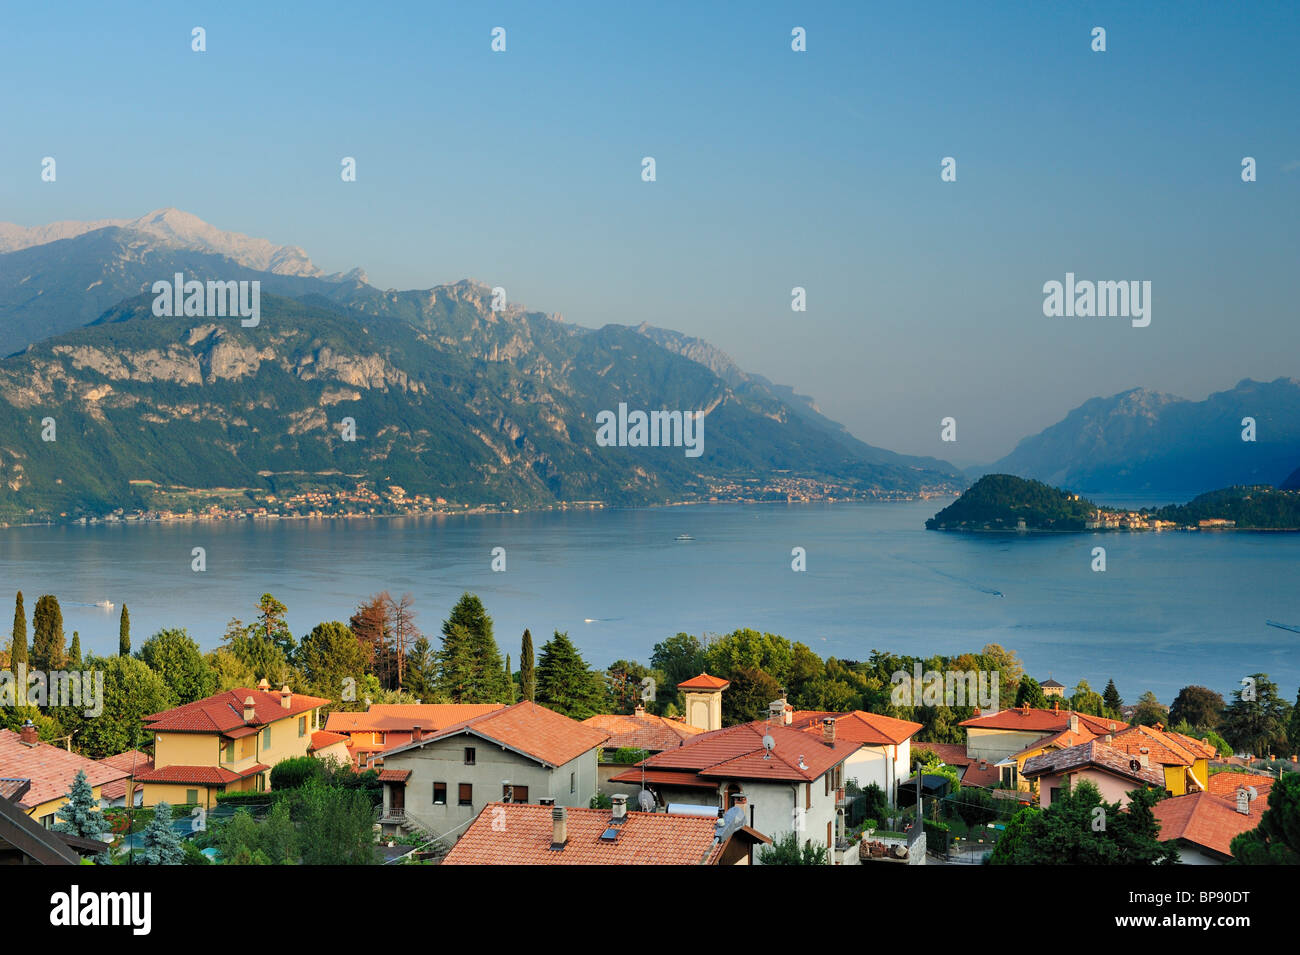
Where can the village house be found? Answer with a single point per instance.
(1114, 772)
(227, 743)
(518, 754)
(1204, 823)
(385, 726)
(1184, 761)
(1008, 737)
(134, 763)
(792, 781)
(49, 772)
(515, 834)
(638, 732)
(885, 755)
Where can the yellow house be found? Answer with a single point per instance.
(50, 771)
(227, 743)
(1184, 761)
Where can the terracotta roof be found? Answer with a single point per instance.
(394, 775)
(51, 770)
(737, 752)
(985, 775)
(1164, 747)
(224, 713)
(665, 777)
(1044, 721)
(643, 838)
(704, 682)
(323, 738)
(200, 775)
(954, 754)
(527, 728)
(1097, 755)
(387, 717)
(1226, 784)
(1206, 818)
(1059, 740)
(130, 762)
(642, 731)
(858, 726)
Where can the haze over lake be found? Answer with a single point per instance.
(1171, 609)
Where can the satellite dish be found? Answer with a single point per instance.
(646, 800)
(769, 744)
(1252, 792)
(1134, 765)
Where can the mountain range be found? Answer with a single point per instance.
(1147, 442)
(450, 398)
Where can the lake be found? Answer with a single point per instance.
(1170, 609)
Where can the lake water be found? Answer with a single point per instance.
(1171, 608)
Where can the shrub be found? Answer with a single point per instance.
(296, 772)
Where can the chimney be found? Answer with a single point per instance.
(250, 711)
(546, 801)
(776, 711)
(1243, 801)
(264, 685)
(286, 697)
(619, 807)
(1056, 706)
(1160, 727)
(639, 711)
(1074, 722)
(828, 731)
(741, 800)
(787, 714)
(1145, 760)
(559, 827)
(417, 732)
(1108, 738)
(29, 734)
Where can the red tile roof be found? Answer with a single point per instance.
(857, 726)
(1059, 740)
(323, 738)
(1094, 754)
(737, 752)
(642, 731)
(644, 838)
(200, 775)
(1207, 818)
(665, 777)
(1044, 721)
(389, 717)
(394, 775)
(1164, 747)
(130, 762)
(954, 754)
(704, 682)
(51, 770)
(224, 712)
(526, 728)
(1226, 784)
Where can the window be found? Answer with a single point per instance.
(573, 783)
(440, 794)
(469, 755)
(1054, 794)
(302, 726)
(511, 793)
(230, 751)
(465, 794)
(266, 738)
(521, 794)
(192, 797)
(47, 821)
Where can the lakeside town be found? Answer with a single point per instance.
(366, 742)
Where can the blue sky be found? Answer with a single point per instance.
(775, 169)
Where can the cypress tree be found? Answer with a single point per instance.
(74, 655)
(18, 650)
(527, 675)
(124, 634)
(47, 635)
(510, 680)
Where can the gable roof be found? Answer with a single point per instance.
(642, 731)
(223, 713)
(51, 770)
(644, 838)
(1052, 683)
(1226, 784)
(320, 739)
(1061, 740)
(704, 682)
(199, 775)
(737, 752)
(1031, 720)
(1207, 819)
(858, 726)
(391, 717)
(1163, 746)
(1092, 754)
(530, 730)
(21, 833)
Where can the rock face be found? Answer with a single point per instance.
(448, 398)
(1141, 442)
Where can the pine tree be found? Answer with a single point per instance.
(48, 651)
(124, 634)
(527, 675)
(159, 843)
(1111, 698)
(564, 681)
(18, 650)
(470, 669)
(74, 655)
(80, 815)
